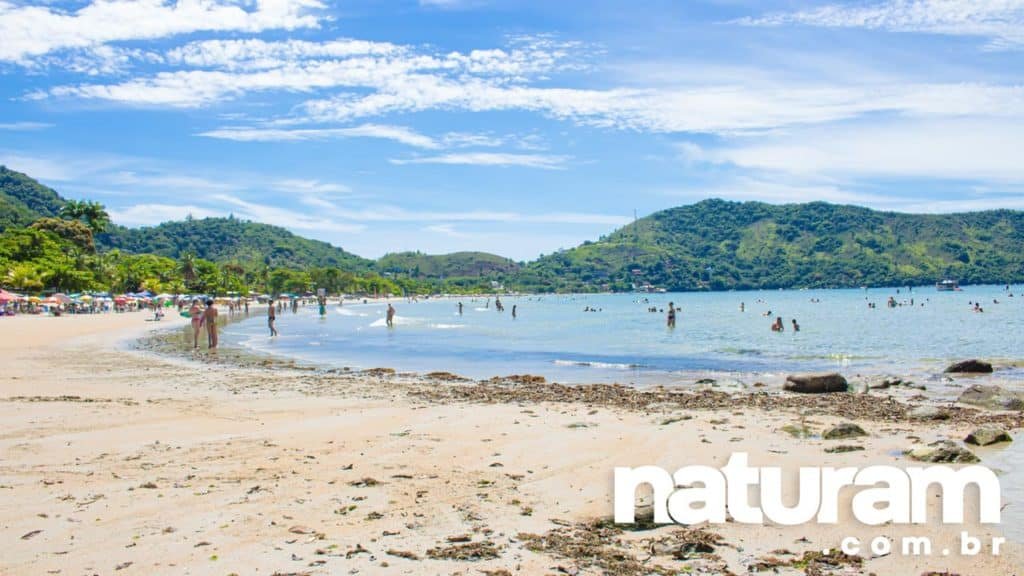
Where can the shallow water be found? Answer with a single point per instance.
(622, 342)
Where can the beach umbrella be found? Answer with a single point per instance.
(61, 297)
(120, 300)
(86, 298)
(35, 299)
(6, 296)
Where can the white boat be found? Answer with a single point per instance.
(947, 285)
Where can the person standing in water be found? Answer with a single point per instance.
(391, 316)
(460, 308)
(796, 327)
(514, 310)
(671, 315)
(210, 319)
(195, 313)
(271, 317)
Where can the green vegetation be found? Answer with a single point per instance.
(23, 200)
(47, 242)
(722, 245)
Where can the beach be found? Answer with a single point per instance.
(123, 461)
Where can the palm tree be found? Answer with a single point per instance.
(187, 267)
(92, 213)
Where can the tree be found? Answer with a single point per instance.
(92, 213)
(187, 268)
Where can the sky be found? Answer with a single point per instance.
(509, 126)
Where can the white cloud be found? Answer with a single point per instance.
(1002, 21)
(399, 134)
(311, 187)
(957, 149)
(29, 31)
(446, 230)
(548, 162)
(24, 126)
(153, 214)
(166, 182)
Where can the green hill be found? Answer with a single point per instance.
(455, 265)
(23, 200)
(232, 240)
(724, 245)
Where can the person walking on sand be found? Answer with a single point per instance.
(671, 315)
(391, 316)
(271, 317)
(195, 314)
(210, 319)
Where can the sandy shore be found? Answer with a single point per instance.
(116, 461)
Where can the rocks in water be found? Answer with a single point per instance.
(892, 382)
(815, 383)
(844, 430)
(973, 366)
(991, 397)
(986, 435)
(943, 452)
(928, 413)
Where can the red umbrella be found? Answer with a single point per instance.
(6, 296)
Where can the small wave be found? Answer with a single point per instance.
(481, 309)
(447, 326)
(597, 364)
(398, 321)
(347, 312)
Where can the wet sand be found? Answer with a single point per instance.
(129, 462)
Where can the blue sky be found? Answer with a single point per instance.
(504, 125)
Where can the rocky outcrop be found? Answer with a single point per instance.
(844, 431)
(943, 452)
(815, 383)
(987, 435)
(991, 397)
(970, 367)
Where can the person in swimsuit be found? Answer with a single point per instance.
(391, 316)
(671, 315)
(195, 313)
(271, 318)
(210, 319)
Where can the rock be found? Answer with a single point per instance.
(927, 413)
(845, 430)
(843, 448)
(985, 435)
(945, 452)
(815, 383)
(970, 367)
(991, 397)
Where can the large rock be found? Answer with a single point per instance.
(927, 413)
(970, 367)
(986, 435)
(991, 397)
(845, 430)
(815, 383)
(943, 452)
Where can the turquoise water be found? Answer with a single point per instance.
(623, 342)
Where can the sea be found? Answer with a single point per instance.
(623, 338)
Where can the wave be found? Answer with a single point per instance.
(598, 364)
(447, 326)
(348, 312)
(398, 321)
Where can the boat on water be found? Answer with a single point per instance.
(947, 285)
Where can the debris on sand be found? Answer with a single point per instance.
(469, 552)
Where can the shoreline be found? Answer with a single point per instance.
(286, 468)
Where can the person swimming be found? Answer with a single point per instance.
(796, 327)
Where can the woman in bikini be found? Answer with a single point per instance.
(195, 313)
